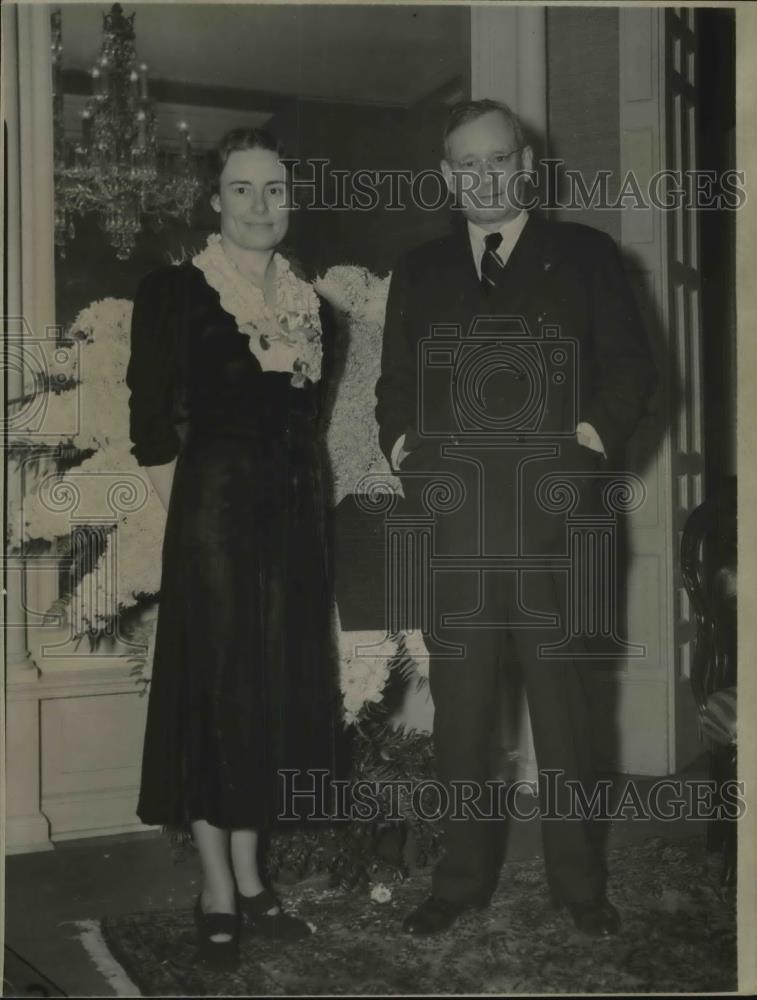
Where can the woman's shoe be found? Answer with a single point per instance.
(257, 920)
(222, 955)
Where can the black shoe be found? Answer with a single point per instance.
(598, 919)
(435, 915)
(257, 920)
(217, 954)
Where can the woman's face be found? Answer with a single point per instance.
(252, 199)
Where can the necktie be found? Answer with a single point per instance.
(491, 265)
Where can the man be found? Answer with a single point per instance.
(556, 280)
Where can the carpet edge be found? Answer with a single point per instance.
(107, 959)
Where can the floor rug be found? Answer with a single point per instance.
(679, 936)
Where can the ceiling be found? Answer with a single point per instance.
(379, 54)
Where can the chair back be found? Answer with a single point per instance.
(708, 568)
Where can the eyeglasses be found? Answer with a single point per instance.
(492, 164)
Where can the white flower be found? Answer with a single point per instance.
(108, 318)
(381, 893)
(353, 289)
(362, 677)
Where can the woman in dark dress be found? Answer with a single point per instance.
(227, 380)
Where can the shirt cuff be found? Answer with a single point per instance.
(396, 451)
(588, 437)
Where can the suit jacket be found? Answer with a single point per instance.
(559, 275)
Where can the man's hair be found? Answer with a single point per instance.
(469, 111)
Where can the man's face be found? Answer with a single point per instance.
(482, 159)
(252, 199)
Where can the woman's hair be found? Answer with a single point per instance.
(236, 140)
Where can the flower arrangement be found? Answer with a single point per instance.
(362, 678)
(95, 402)
(359, 300)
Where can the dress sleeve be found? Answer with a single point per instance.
(152, 371)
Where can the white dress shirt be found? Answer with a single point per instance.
(510, 231)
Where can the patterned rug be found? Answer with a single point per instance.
(679, 936)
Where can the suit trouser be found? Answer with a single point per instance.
(466, 710)
(499, 513)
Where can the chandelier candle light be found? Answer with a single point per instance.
(116, 167)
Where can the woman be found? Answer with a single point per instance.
(227, 376)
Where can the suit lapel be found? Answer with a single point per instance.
(526, 267)
(462, 266)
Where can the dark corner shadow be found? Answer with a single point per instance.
(640, 459)
(603, 677)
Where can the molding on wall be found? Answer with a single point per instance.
(62, 707)
(509, 60)
(30, 301)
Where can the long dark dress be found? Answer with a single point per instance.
(243, 682)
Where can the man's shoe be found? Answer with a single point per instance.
(435, 915)
(598, 919)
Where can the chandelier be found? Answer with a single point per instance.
(116, 168)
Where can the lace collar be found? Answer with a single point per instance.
(294, 322)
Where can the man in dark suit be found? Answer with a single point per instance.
(513, 351)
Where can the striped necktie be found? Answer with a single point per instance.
(491, 265)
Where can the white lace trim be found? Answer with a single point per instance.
(287, 338)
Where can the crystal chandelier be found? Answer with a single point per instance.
(115, 168)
